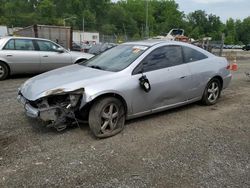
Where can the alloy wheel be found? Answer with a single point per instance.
(213, 92)
(2, 71)
(109, 118)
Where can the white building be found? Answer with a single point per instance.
(79, 36)
(3, 31)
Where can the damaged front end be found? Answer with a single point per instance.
(57, 107)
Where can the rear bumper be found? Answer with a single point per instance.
(29, 110)
(227, 80)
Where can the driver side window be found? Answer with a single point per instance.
(47, 46)
(163, 57)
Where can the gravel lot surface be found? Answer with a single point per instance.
(191, 146)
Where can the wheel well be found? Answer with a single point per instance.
(80, 60)
(220, 79)
(85, 109)
(6, 65)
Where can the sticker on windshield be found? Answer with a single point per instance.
(137, 49)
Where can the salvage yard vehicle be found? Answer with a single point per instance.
(128, 81)
(20, 55)
(246, 48)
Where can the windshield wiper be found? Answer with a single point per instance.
(96, 67)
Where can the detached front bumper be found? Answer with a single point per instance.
(29, 110)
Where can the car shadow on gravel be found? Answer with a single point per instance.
(164, 113)
(41, 127)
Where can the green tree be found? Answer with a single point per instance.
(124, 18)
(230, 32)
(203, 25)
(46, 11)
(166, 15)
(243, 32)
(108, 29)
(89, 19)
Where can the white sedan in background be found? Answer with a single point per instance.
(20, 55)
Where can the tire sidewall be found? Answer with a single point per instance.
(95, 117)
(6, 71)
(205, 94)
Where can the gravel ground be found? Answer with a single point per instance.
(191, 146)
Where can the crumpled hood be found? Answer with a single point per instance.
(68, 78)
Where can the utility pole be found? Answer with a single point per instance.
(146, 29)
(83, 29)
(142, 31)
(222, 44)
(125, 34)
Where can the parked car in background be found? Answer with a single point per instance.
(100, 47)
(246, 48)
(237, 47)
(19, 55)
(86, 46)
(130, 80)
(228, 46)
(76, 47)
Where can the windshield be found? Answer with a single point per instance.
(117, 58)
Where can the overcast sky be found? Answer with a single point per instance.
(237, 9)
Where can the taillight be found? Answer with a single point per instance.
(228, 67)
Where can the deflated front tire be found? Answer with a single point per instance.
(107, 117)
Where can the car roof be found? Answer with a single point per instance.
(17, 37)
(7, 38)
(152, 42)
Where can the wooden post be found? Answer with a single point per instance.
(222, 44)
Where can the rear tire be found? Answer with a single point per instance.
(107, 117)
(4, 71)
(212, 92)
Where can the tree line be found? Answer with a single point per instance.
(124, 18)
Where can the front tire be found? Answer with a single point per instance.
(4, 71)
(107, 117)
(212, 92)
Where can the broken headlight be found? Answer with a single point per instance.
(64, 98)
(74, 98)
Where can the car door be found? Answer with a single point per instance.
(50, 57)
(200, 68)
(168, 76)
(21, 56)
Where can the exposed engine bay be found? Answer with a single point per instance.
(57, 109)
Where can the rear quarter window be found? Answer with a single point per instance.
(10, 45)
(191, 55)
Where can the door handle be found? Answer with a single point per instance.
(182, 77)
(9, 55)
(45, 56)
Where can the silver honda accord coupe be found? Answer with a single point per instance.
(131, 80)
(20, 55)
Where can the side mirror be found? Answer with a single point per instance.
(60, 50)
(144, 83)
